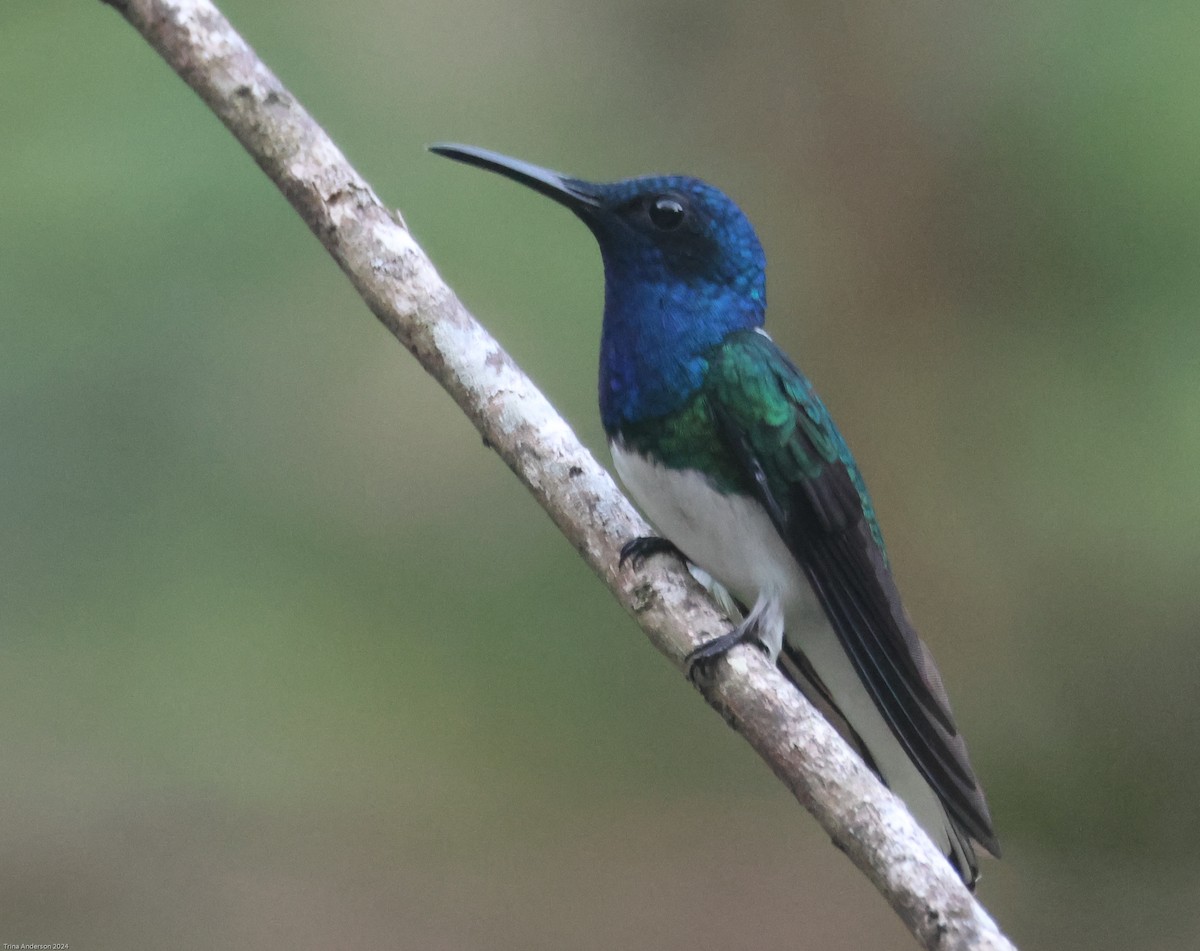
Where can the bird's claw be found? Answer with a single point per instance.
(698, 662)
(637, 550)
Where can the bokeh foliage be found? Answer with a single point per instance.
(288, 655)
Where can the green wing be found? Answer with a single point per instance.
(791, 453)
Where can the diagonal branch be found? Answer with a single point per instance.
(401, 287)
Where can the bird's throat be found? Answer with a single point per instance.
(656, 346)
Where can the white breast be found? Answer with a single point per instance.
(729, 536)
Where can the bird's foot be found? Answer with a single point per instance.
(697, 665)
(637, 550)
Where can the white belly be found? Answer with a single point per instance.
(729, 536)
(732, 538)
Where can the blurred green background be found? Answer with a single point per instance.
(288, 659)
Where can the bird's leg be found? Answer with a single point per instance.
(763, 627)
(696, 664)
(637, 550)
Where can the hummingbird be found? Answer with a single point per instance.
(733, 457)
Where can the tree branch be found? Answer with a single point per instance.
(399, 284)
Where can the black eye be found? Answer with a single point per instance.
(666, 214)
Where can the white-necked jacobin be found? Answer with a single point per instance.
(732, 455)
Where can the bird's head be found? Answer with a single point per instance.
(683, 269)
(665, 232)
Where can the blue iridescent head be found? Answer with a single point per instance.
(683, 269)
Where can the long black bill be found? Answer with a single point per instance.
(576, 195)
